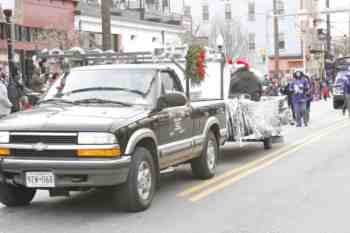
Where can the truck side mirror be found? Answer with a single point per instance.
(172, 99)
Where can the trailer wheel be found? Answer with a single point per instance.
(267, 143)
(204, 167)
(12, 196)
(138, 192)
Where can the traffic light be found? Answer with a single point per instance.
(263, 54)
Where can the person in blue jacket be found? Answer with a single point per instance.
(300, 89)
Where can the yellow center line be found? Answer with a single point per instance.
(253, 170)
(254, 163)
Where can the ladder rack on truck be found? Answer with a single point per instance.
(173, 55)
(164, 55)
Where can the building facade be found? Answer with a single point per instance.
(137, 25)
(247, 28)
(35, 23)
(311, 42)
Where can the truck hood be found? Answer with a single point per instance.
(91, 118)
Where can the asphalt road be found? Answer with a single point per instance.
(299, 186)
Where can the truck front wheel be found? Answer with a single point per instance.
(11, 195)
(204, 167)
(138, 192)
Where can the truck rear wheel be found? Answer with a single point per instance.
(138, 192)
(204, 167)
(11, 195)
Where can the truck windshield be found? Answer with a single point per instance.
(130, 86)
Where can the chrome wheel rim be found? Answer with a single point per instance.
(144, 180)
(211, 157)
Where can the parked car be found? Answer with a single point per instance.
(338, 90)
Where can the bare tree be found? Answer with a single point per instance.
(60, 36)
(235, 37)
(56, 38)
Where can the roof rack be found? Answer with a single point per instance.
(98, 57)
(174, 55)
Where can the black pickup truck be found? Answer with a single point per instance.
(113, 127)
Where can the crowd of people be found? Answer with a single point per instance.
(301, 91)
(322, 89)
(15, 92)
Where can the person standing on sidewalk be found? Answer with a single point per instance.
(5, 104)
(309, 98)
(347, 94)
(287, 90)
(299, 88)
(325, 90)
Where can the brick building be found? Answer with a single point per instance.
(287, 64)
(35, 21)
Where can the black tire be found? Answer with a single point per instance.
(200, 166)
(12, 196)
(267, 143)
(338, 104)
(335, 105)
(128, 196)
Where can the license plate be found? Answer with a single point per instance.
(40, 180)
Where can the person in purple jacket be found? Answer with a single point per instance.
(300, 88)
(347, 93)
(309, 97)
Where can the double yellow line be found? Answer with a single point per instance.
(204, 189)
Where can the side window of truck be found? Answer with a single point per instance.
(169, 83)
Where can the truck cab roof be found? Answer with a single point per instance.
(125, 66)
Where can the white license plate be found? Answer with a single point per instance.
(40, 180)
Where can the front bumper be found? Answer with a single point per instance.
(69, 173)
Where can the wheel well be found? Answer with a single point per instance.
(216, 130)
(150, 145)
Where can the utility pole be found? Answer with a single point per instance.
(328, 48)
(106, 6)
(276, 39)
(8, 15)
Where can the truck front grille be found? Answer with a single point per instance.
(47, 139)
(47, 153)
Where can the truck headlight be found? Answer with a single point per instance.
(4, 152)
(4, 137)
(96, 138)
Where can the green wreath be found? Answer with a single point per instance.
(195, 64)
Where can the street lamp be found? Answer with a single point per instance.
(8, 15)
(220, 44)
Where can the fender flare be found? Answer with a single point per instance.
(210, 122)
(137, 136)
